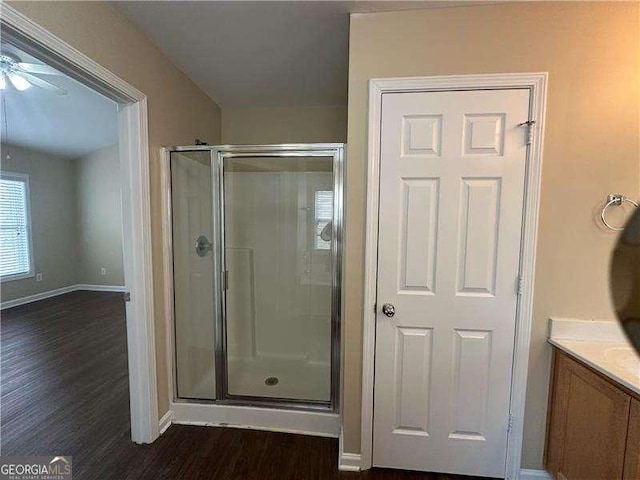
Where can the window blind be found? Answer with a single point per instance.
(323, 215)
(15, 258)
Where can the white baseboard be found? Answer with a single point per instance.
(101, 288)
(37, 296)
(527, 474)
(347, 462)
(270, 419)
(60, 291)
(165, 422)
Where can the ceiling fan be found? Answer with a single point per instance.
(23, 75)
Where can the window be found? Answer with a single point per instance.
(15, 227)
(323, 216)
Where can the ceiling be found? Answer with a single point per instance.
(261, 53)
(68, 126)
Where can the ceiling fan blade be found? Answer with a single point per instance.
(19, 82)
(38, 82)
(37, 68)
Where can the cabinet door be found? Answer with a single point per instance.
(588, 430)
(632, 455)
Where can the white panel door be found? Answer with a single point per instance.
(451, 200)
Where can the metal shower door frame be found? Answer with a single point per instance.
(218, 154)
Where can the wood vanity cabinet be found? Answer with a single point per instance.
(593, 430)
(632, 457)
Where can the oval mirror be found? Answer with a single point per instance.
(624, 279)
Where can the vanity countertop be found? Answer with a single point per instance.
(602, 346)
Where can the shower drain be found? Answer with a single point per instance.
(271, 381)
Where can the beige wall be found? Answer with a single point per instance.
(246, 126)
(591, 148)
(179, 111)
(99, 217)
(52, 192)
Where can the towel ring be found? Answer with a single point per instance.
(615, 199)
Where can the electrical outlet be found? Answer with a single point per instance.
(38, 277)
(103, 271)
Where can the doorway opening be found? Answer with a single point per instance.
(133, 154)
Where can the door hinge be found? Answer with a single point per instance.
(225, 280)
(530, 126)
(510, 424)
(375, 308)
(127, 296)
(519, 285)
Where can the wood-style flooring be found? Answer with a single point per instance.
(63, 371)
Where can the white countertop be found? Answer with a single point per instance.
(602, 346)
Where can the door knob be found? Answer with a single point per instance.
(203, 245)
(388, 309)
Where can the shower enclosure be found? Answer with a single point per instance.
(256, 250)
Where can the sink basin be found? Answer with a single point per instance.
(625, 358)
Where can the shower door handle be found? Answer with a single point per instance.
(203, 246)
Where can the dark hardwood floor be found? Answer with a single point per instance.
(63, 369)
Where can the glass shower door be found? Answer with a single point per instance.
(278, 240)
(193, 273)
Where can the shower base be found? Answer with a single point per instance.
(269, 378)
(297, 379)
